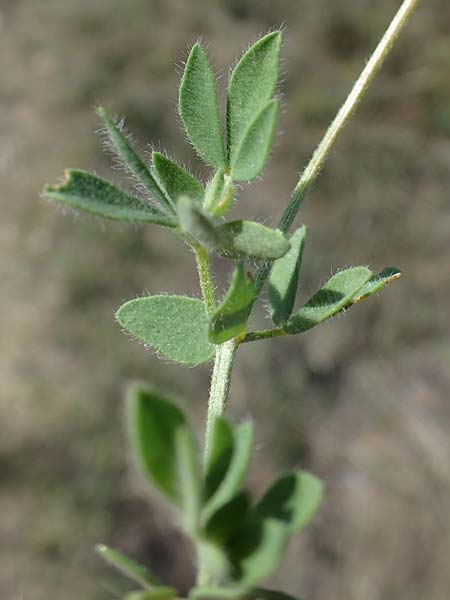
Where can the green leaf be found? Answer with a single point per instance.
(234, 474)
(219, 194)
(376, 283)
(175, 181)
(196, 224)
(126, 566)
(292, 499)
(199, 108)
(230, 318)
(257, 549)
(189, 478)
(175, 326)
(254, 148)
(87, 192)
(157, 593)
(240, 239)
(330, 299)
(228, 518)
(284, 276)
(252, 85)
(154, 423)
(132, 160)
(222, 447)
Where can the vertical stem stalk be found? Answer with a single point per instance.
(223, 362)
(206, 278)
(323, 150)
(220, 387)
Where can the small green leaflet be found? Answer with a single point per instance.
(199, 110)
(376, 283)
(154, 423)
(175, 326)
(252, 84)
(254, 148)
(241, 239)
(283, 280)
(88, 192)
(126, 566)
(292, 499)
(219, 194)
(175, 180)
(229, 320)
(234, 472)
(132, 160)
(330, 299)
(196, 224)
(189, 480)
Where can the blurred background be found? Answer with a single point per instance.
(363, 401)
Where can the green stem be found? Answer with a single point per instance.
(323, 150)
(206, 278)
(220, 386)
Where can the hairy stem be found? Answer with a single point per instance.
(220, 386)
(206, 278)
(323, 150)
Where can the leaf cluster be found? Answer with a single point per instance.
(240, 541)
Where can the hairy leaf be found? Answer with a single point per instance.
(229, 320)
(252, 84)
(126, 566)
(222, 447)
(292, 499)
(132, 160)
(330, 299)
(235, 473)
(88, 192)
(254, 148)
(189, 478)
(240, 239)
(257, 549)
(284, 276)
(154, 423)
(376, 283)
(175, 181)
(219, 194)
(199, 108)
(175, 326)
(196, 224)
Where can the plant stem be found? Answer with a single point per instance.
(220, 386)
(323, 150)
(206, 278)
(223, 362)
